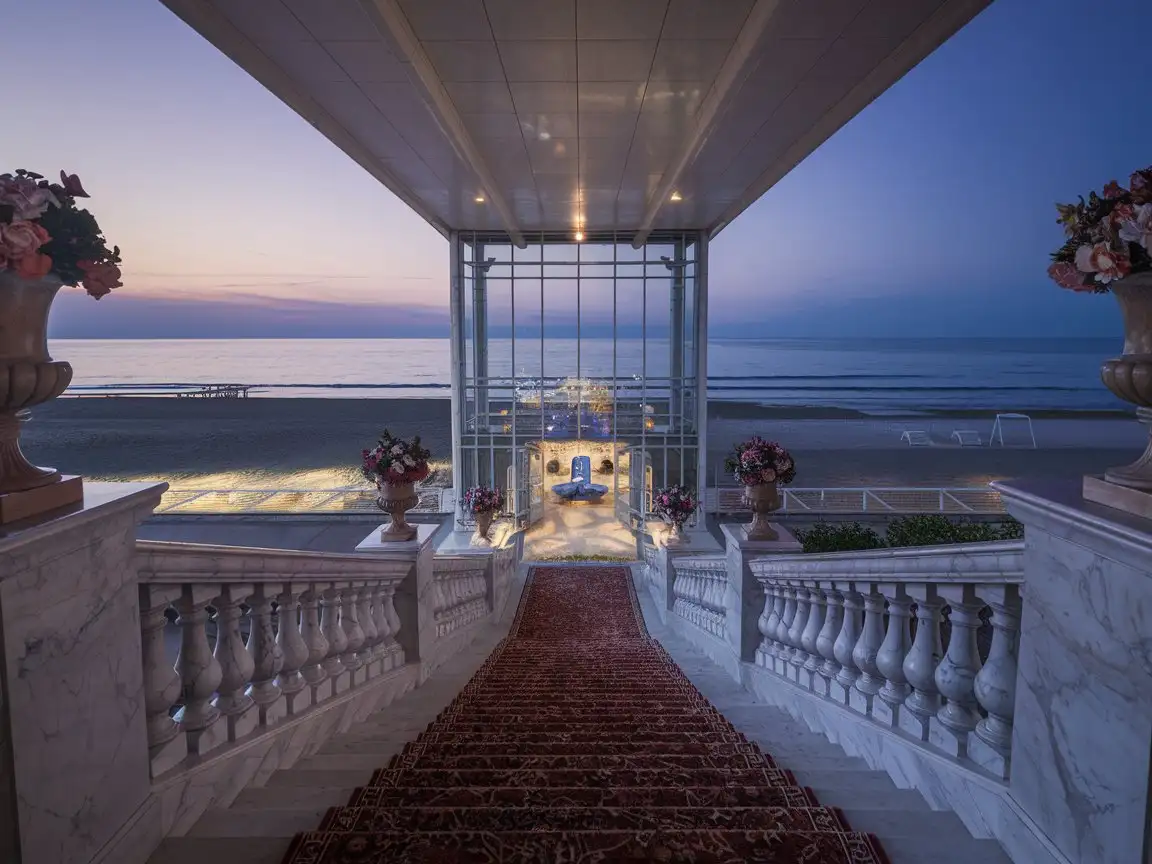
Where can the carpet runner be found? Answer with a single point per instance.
(579, 740)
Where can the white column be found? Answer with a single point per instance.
(353, 635)
(996, 682)
(267, 657)
(297, 693)
(367, 652)
(812, 630)
(826, 641)
(236, 667)
(167, 744)
(846, 644)
(956, 674)
(868, 646)
(796, 655)
(200, 673)
(338, 679)
(890, 659)
(769, 622)
(920, 664)
(395, 649)
(384, 641)
(314, 638)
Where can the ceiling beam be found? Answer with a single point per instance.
(948, 18)
(732, 72)
(395, 28)
(207, 20)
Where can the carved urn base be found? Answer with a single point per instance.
(674, 535)
(396, 499)
(484, 525)
(762, 500)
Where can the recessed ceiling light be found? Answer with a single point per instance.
(579, 236)
(675, 196)
(479, 199)
(544, 136)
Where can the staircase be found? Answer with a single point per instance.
(260, 823)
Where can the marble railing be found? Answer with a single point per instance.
(923, 640)
(698, 588)
(291, 630)
(460, 592)
(650, 566)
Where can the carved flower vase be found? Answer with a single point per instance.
(1130, 375)
(28, 374)
(674, 536)
(763, 500)
(484, 524)
(396, 499)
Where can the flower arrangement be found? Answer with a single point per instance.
(483, 499)
(1109, 236)
(674, 504)
(756, 462)
(43, 232)
(394, 460)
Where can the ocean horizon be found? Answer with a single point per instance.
(872, 375)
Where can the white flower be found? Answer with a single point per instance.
(396, 468)
(409, 461)
(1139, 230)
(397, 449)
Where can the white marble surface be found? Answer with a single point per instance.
(744, 599)
(73, 670)
(502, 536)
(958, 562)
(1082, 737)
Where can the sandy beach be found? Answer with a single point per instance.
(314, 443)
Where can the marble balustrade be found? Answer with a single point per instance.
(260, 635)
(698, 588)
(650, 566)
(460, 592)
(892, 635)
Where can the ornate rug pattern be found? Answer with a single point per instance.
(580, 741)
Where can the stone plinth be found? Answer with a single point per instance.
(744, 598)
(413, 601)
(1082, 733)
(73, 696)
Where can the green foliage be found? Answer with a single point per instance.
(923, 530)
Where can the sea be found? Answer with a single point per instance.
(874, 376)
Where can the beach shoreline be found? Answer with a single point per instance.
(315, 443)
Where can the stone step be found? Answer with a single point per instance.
(880, 799)
(341, 778)
(263, 822)
(220, 850)
(908, 850)
(856, 782)
(292, 797)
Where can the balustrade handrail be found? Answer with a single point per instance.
(700, 562)
(170, 561)
(1000, 561)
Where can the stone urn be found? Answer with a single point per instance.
(674, 536)
(396, 499)
(762, 499)
(28, 374)
(484, 524)
(1130, 375)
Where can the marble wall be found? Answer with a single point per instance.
(72, 672)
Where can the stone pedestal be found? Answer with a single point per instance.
(1082, 732)
(744, 599)
(413, 599)
(73, 741)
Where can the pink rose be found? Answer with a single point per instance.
(99, 277)
(28, 200)
(1113, 190)
(19, 239)
(1140, 185)
(1106, 263)
(1138, 228)
(1065, 274)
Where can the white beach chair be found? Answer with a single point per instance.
(916, 438)
(967, 438)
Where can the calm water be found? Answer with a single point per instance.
(875, 375)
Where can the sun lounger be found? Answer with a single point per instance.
(916, 438)
(967, 438)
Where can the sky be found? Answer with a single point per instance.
(929, 214)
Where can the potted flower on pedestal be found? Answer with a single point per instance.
(1109, 250)
(46, 242)
(396, 465)
(674, 505)
(483, 502)
(760, 466)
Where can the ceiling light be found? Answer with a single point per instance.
(479, 199)
(544, 136)
(579, 236)
(675, 196)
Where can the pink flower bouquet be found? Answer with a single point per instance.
(43, 232)
(483, 499)
(674, 504)
(1109, 236)
(394, 460)
(757, 462)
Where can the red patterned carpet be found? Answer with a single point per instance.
(580, 741)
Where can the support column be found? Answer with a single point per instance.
(676, 335)
(701, 342)
(744, 598)
(456, 315)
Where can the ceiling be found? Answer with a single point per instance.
(567, 115)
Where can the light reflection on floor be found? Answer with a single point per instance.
(578, 528)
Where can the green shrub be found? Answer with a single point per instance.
(923, 530)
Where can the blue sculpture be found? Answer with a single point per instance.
(579, 488)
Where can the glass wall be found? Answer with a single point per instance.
(592, 341)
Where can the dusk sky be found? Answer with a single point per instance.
(929, 214)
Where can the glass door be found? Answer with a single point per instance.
(528, 489)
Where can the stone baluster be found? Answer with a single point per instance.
(868, 646)
(200, 673)
(797, 655)
(394, 626)
(826, 641)
(770, 621)
(236, 667)
(382, 649)
(920, 664)
(293, 651)
(338, 678)
(783, 647)
(317, 644)
(890, 658)
(371, 636)
(996, 682)
(267, 657)
(816, 612)
(353, 634)
(845, 643)
(956, 674)
(167, 744)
